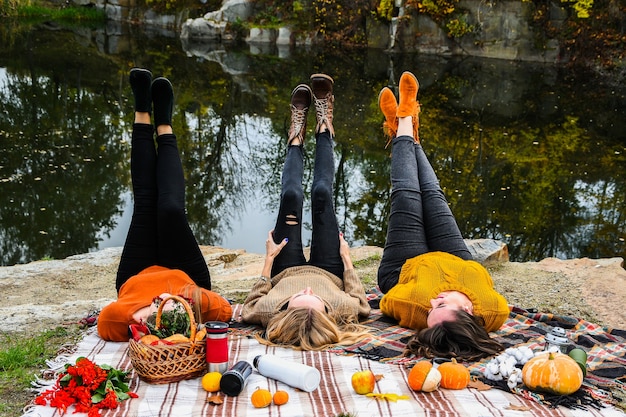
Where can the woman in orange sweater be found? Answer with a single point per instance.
(160, 255)
(430, 281)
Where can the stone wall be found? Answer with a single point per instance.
(502, 29)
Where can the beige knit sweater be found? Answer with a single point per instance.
(345, 299)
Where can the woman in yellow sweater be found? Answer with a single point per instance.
(312, 304)
(160, 255)
(430, 281)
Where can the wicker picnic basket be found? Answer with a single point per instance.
(162, 364)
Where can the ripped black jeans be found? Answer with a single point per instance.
(325, 233)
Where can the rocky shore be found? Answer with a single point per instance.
(45, 294)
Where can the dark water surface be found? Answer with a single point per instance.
(533, 155)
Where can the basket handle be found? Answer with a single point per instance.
(185, 304)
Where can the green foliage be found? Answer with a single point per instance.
(174, 321)
(26, 10)
(458, 28)
(384, 9)
(9, 8)
(162, 5)
(582, 7)
(446, 14)
(22, 356)
(591, 34)
(437, 9)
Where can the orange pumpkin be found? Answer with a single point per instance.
(553, 372)
(423, 377)
(281, 397)
(454, 375)
(261, 398)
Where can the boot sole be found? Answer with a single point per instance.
(414, 77)
(303, 86)
(324, 76)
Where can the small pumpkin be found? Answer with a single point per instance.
(261, 398)
(280, 397)
(423, 377)
(553, 372)
(454, 375)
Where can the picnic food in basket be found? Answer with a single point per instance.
(179, 352)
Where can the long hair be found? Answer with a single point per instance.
(309, 329)
(194, 292)
(464, 338)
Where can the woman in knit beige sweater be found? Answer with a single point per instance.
(312, 304)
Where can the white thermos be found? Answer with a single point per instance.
(297, 375)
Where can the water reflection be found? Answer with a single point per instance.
(528, 154)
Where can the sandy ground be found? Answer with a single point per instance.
(46, 294)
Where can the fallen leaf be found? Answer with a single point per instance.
(378, 377)
(479, 385)
(388, 396)
(215, 399)
(517, 407)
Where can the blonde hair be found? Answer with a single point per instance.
(310, 329)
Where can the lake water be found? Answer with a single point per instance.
(532, 155)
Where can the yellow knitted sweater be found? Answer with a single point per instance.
(424, 277)
(344, 298)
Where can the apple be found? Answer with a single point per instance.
(363, 382)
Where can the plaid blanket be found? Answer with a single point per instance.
(335, 394)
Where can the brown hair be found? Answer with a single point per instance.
(310, 329)
(193, 292)
(464, 338)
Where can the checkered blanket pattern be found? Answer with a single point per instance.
(383, 356)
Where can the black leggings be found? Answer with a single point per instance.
(159, 233)
(325, 235)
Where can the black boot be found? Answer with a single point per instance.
(140, 82)
(162, 101)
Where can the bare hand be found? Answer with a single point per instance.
(344, 252)
(344, 248)
(272, 249)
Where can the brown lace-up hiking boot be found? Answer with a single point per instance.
(322, 86)
(300, 103)
(408, 104)
(389, 106)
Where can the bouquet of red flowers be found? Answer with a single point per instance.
(89, 387)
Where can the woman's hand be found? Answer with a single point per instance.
(344, 252)
(272, 250)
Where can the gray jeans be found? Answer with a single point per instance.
(420, 220)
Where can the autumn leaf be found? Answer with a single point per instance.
(479, 385)
(378, 377)
(517, 407)
(388, 396)
(215, 399)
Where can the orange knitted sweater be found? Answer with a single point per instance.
(424, 277)
(141, 289)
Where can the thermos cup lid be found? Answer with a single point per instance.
(216, 326)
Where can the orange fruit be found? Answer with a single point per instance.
(211, 381)
(280, 397)
(177, 338)
(148, 339)
(261, 398)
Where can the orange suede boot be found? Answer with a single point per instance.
(389, 106)
(408, 105)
